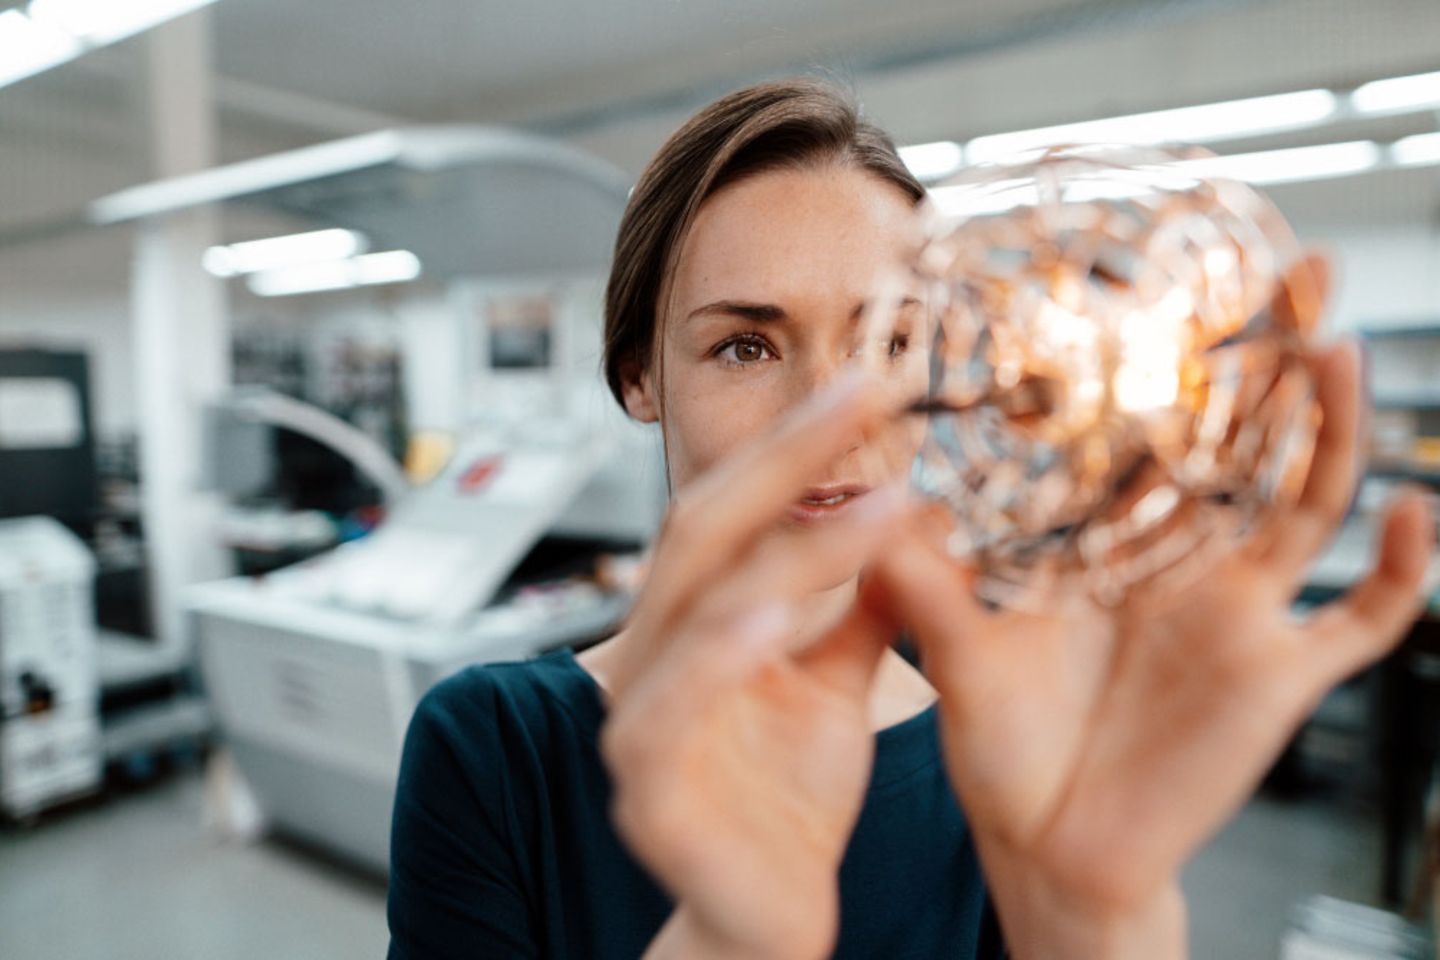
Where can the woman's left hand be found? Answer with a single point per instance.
(1095, 749)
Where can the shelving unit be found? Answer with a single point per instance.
(1405, 380)
(150, 705)
(1401, 331)
(1406, 401)
(1401, 470)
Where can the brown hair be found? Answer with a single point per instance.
(783, 124)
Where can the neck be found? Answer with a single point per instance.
(626, 654)
(899, 690)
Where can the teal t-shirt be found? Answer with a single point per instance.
(502, 846)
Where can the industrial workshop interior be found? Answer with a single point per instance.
(343, 608)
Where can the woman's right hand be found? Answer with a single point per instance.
(740, 751)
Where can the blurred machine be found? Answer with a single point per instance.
(1323, 928)
(314, 670)
(47, 447)
(50, 744)
(51, 466)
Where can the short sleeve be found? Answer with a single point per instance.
(455, 887)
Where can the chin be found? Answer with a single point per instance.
(823, 569)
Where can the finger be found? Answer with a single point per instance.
(1296, 534)
(821, 558)
(782, 574)
(723, 513)
(1372, 617)
(687, 679)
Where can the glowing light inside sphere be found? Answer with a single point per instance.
(1117, 386)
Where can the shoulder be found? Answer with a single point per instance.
(496, 709)
(478, 770)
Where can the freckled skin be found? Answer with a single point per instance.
(811, 244)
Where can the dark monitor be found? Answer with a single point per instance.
(47, 446)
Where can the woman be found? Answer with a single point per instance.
(748, 769)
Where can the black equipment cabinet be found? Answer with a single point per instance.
(58, 481)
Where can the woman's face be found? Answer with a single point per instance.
(765, 307)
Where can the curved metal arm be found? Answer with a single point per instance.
(370, 458)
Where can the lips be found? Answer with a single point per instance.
(823, 502)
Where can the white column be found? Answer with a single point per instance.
(180, 329)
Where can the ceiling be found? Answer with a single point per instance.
(527, 61)
(563, 64)
(615, 75)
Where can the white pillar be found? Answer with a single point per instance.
(180, 329)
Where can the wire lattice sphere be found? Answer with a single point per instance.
(1118, 388)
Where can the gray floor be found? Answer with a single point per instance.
(1241, 889)
(138, 877)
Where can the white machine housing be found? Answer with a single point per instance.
(315, 671)
(47, 634)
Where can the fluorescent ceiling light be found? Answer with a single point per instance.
(980, 200)
(99, 22)
(966, 200)
(1292, 165)
(393, 266)
(50, 32)
(1420, 150)
(28, 47)
(933, 161)
(1206, 123)
(1398, 94)
(300, 248)
(1262, 168)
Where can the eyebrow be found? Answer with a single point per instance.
(768, 312)
(757, 312)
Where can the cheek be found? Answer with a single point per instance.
(703, 426)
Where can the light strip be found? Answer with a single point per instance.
(28, 48)
(1398, 94)
(933, 161)
(275, 252)
(1207, 123)
(1423, 149)
(101, 22)
(51, 32)
(1291, 165)
(1262, 168)
(393, 266)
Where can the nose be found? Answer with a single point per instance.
(818, 370)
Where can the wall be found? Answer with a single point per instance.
(1383, 226)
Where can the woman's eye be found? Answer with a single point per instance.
(745, 351)
(899, 344)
